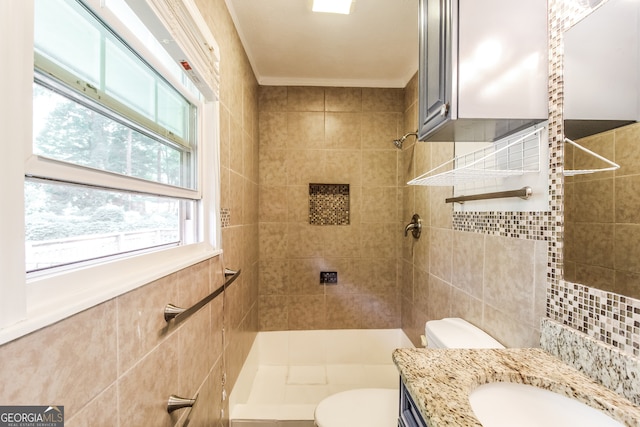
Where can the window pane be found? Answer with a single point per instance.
(173, 111)
(64, 35)
(68, 131)
(129, 81)
(67, 224)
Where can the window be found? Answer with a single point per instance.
(99, 107)
(112, 193)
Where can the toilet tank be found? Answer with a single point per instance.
(457, 333)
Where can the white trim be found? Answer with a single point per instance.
(186, 36)
(48, 168)
(301, 81)
(16, 33)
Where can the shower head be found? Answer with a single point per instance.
(398, 142)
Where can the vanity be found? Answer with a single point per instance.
(436, 384)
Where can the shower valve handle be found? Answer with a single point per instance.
(415, 226)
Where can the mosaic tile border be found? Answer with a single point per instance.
(592, 311)
(520, 225)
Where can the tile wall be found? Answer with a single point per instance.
(495, 282)
(329, 136)
(117, 363)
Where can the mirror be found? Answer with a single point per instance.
(602, 208)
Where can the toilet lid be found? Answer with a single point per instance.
(365, 407)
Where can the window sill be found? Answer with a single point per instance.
(53, 298)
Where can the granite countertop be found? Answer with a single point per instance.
(440, 380)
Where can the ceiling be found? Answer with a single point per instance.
(287, 44)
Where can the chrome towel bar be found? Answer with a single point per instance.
(523, 193)
(178, 314)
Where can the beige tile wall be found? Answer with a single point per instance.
(497, 283)
(329, 136)
(602, 219)
(116, 364)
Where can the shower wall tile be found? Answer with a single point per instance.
(273, 167)
(274, 277)
(273, 241)
(304, 276)
(273, 313)
(304, 240)
(343, 130)
(298, 203)
(236, 197)
(342, 241)
(272, 98)
(379, 169)
(343, 99)
(236, 146)
(382, 99)
(378, 129)
(305, 130)
(304, 167)
(353, 145)
(273, 130)
(345, 166)
(306, 312)
(380, 204)
(382, 242)
(305, 99)
(273, 203)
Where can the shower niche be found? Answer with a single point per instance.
(329, 204)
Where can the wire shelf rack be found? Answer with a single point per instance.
(514, 156)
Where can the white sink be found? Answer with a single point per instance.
(503, 404)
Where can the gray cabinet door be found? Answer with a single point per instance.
(435, 72)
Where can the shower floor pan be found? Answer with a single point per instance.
(288, 373)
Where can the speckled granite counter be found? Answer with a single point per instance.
(440, 380)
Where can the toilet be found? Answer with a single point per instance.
(378, 407)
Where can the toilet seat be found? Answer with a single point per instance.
(370, 407)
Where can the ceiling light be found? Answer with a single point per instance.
(332, 6)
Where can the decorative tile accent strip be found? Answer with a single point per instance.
(607, 365)
(329, 204)
(520, 225)
(610, 318)
(225, 217)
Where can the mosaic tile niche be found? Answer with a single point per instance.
(329, 204)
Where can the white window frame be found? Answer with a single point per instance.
(28, 304)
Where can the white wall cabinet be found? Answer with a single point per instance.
(483, 68)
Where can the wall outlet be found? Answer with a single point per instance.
(328, 277)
